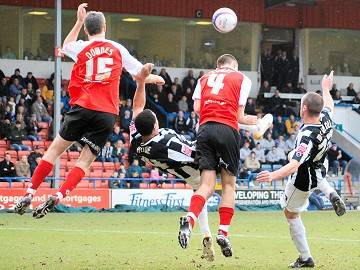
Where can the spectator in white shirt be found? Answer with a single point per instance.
(273, 157)
(290, 143)
(245, 151)
(280, 142)
(260, 153)
(267, 143)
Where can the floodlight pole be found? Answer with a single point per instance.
(57, 95)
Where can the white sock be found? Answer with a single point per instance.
(297, 232)
(325, 187)
(251, 128)
(203, 221)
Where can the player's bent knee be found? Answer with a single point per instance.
(290, 215)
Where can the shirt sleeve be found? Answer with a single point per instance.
(130, 63)
(327, 113)
(302, 151)
(197, 92)
(244, 90)
(134, 134)
(72, 49)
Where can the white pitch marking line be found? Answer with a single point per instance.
(169, 233)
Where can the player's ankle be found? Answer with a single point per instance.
(222, 232)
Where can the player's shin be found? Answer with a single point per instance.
(41, 171)
(74, 177)
(325, 187)
(197, 203)
(298, 235)
(204, 222)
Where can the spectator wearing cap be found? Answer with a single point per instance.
(22, 167)
(31, 79)
(34, 158)
(38, 108)
(7, 168)
(18, 76)
(17, 135)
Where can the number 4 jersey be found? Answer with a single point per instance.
(96, 73)
(221, 92)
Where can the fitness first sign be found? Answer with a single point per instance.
(258, 197)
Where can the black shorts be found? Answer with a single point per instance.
(218, 146)
(88, 127)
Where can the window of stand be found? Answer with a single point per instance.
(334, 49)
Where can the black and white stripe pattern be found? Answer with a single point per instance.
(168, 151)
(312, 144)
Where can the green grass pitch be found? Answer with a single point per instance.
(149, 241)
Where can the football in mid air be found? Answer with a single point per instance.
(224, 20)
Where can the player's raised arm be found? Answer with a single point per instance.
(326, 84)
(74, 33)
(283, 172)
(140, 95)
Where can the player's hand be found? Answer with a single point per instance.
(155, 79)
(327, 81)
(81, 12)
(264, 176)
(252, 119)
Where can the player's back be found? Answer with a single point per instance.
(221, 92)
(96, 73)
(168, 151)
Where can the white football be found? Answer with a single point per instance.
(224, 20)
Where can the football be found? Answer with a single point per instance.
(224, 20)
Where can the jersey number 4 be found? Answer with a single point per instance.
(216, 82)
(98, 69)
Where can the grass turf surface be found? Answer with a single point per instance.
(149, 241)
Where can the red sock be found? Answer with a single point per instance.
(41, 171)
(196, 205)
(226, 214)
(73, 178)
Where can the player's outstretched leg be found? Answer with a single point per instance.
(45, 166)
(208, 248)
(298, 235)
(74, 177)
(335, 199)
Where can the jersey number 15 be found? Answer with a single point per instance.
(97, 69)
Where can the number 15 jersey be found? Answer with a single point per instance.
(95, 76)
(221, 92)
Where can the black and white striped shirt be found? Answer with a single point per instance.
(312, 144)
(168, 151)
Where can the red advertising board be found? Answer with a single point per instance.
(98, 198)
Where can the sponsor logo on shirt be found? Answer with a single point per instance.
(186, 150)
(301, 149)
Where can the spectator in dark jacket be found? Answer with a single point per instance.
(64, 99)
(166, 78)
(279, 127)
(357, 99)
(18, 135)
(34, 158)
(250, 107)
(186, 80)
(181, 127)
(7, 168)
(170, 105)
(350, 90)
(15, 88)
(333, 90)
(116, 135)
(4, 89)
(17, 75)
(125, 121)
(336, 161)
(31, 79)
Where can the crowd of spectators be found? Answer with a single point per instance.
(26, 108)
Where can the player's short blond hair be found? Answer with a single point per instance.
(94, 22)
(314, 103)
(225, 59)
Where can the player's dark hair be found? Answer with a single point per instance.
(314, 102)
(94, 22)
(225, 59)
(145, 122)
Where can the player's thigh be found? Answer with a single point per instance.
(228, 148)
(76, 122)
(98, 131)
(293, 199)
(206, 156)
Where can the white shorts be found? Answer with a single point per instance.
(293, 199)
